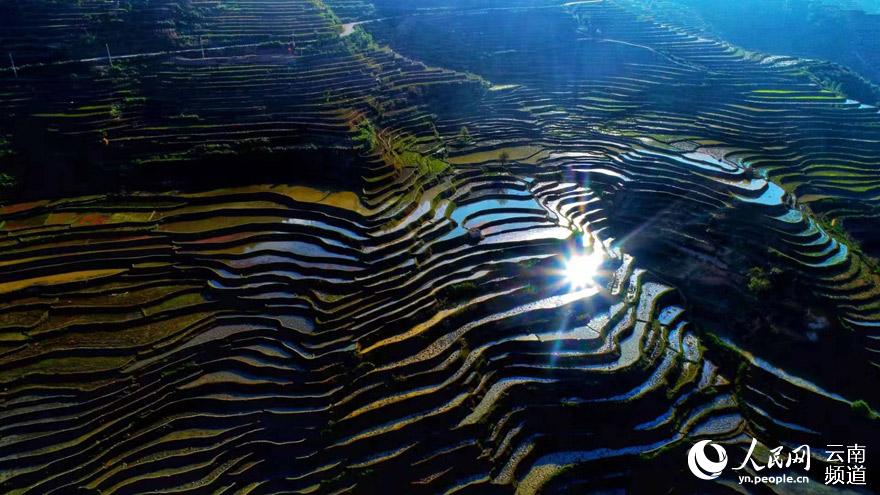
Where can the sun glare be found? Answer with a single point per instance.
(581, 269)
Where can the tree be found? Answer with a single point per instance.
(503, 157)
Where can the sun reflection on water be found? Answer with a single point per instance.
(581, 269)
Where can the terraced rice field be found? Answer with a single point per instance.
(293, 246)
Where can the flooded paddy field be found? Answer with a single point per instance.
(440, 246)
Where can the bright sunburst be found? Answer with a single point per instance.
(581, 269)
